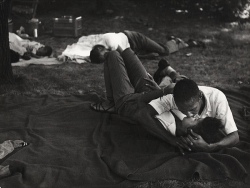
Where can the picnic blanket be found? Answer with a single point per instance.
(35, 61)
(71, 145)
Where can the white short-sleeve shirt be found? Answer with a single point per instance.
(216, 105)
(112, 40)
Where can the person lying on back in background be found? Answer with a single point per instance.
(138, 42)
(26, 48)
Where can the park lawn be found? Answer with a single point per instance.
(224, 63)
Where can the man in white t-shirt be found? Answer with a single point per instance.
(185, 98)
(138, 42)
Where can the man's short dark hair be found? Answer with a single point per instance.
(44, 51)
(95, 54)
(209, 129)
(185, 90)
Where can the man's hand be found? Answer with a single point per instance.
(196, 142)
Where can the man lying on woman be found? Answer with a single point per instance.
(131, 93)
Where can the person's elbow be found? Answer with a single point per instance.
(235, 136)
(233, 139)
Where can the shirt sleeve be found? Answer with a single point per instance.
(163, 104)
(225, 114)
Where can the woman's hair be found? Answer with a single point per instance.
(185, 90)
(209, 129)
(95, 55)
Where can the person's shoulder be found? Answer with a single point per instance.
(108, 34)
(208, 89)
(213, 94)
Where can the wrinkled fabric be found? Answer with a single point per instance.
(71, 145)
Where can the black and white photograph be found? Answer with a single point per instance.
(124, 94)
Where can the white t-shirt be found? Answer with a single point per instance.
(216, 105)
(112, 40)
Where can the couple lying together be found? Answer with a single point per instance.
(168, 105)
(25, 49)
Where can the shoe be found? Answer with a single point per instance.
(26, 56)
(176, 39)
(161, 66)
(19, 143)
(100, 108)
(171, 38)
(193, 43)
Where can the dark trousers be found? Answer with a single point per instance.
(123, 74)
(140, 43)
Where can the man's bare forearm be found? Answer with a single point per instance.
(228, 141)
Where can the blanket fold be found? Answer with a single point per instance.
(74, 146)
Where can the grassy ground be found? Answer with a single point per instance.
(224, 63)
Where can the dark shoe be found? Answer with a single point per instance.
(25, 56)
(176, 39)
(170, 38)
(193, 43)
(161, 66)
(100, 108)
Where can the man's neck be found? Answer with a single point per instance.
(203, 101)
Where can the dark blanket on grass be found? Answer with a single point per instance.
(73, 146)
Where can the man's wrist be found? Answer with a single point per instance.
(212, 147)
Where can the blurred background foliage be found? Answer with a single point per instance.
(225, 10)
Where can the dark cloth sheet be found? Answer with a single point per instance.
(73, 146)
